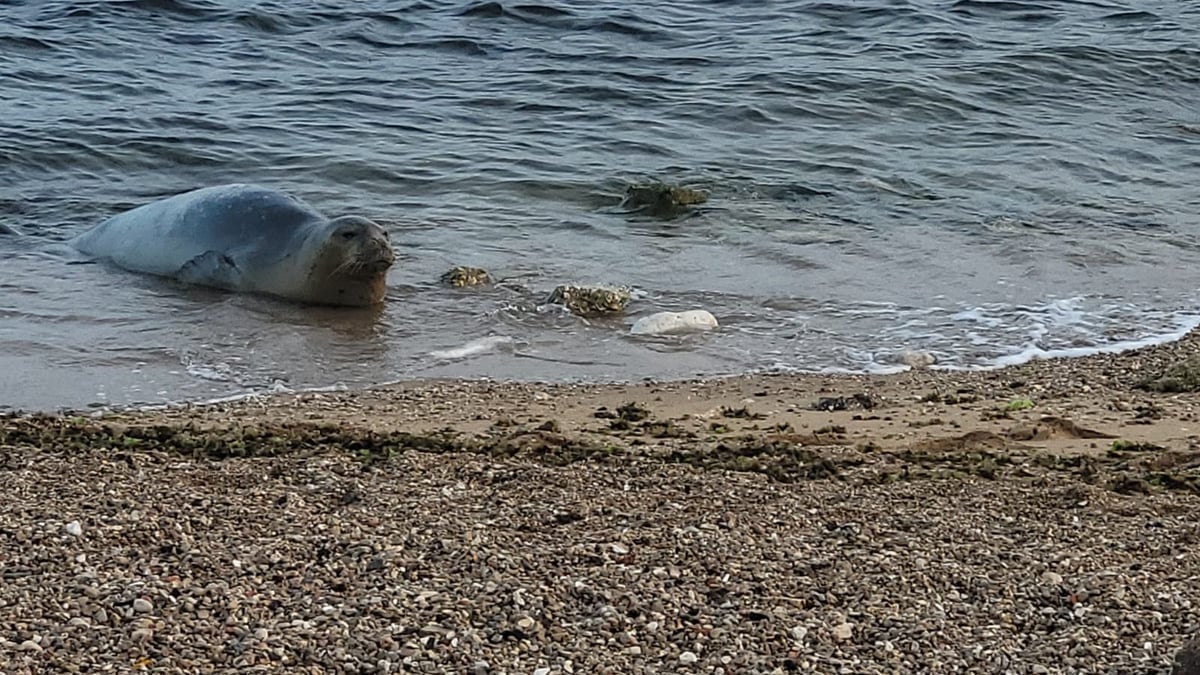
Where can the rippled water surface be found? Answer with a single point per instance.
(985, 180)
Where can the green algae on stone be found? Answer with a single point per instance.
(1123, 446)
(1019, 404)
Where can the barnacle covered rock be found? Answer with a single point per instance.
(591, 300)
(460, 277)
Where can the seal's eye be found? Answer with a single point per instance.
(348, 235)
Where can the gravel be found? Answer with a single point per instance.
(457, 562)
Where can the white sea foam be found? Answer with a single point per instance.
(1033, 352)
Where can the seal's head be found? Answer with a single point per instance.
(352, 263)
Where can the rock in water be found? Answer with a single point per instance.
(462, 277)
(671, 323)
(915, 359)
(591, 300)
(661, 200)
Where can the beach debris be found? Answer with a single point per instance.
(463, 277)
(672, 323)
(1019, 404)
(834, 403)
(662, 200)
(1134, 446)
(1050, 427)
(591, 300)
(1181, 376)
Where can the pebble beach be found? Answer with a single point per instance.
(1034, 519)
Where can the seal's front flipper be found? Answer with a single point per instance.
(210, 269)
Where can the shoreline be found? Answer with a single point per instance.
(1033, 518)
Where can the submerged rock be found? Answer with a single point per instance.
(661, 200)
(461, 277)
(591, 300)
(672, 323)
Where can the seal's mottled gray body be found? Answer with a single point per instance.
(250, 239)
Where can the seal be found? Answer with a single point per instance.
(251, 239)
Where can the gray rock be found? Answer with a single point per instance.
(1187, 659)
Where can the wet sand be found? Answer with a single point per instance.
(1038, 518)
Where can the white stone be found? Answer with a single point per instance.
(671, 323)
(142, 606)
(688, 657)
(915, 359)
(799, 632)
(74, 528)
(1052, 578)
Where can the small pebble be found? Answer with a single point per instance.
(142, 606)
(74, 528)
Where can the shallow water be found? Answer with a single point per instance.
(987, 181)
